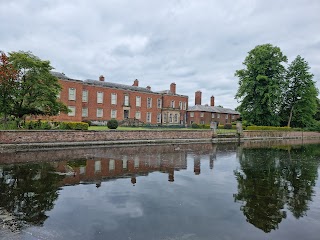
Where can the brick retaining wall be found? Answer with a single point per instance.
(280, 134)
(19, 137)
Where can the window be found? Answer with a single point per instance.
(97, 166)
(138, 101)
(85, 96)
(72, 112)
(170, 118)
(113, 98)
(149, 102)
(125, 162)
(126, 100)
(191, 114)
(172, 104)
(227, 116)
(232, 116)
(148, 117)
(165, 118)
(184, 106)
(136, 162)
(99, 112)
(85, 112)
(201, 114)
(212, 115)
(159, 118)
(113, 113)
(111, 165)
(99, 97)
(218, 115)
(82, 170)
(180, 105)
(138, 115)
(176, 118)
(72, 94)
(202, 122)
(159, 103)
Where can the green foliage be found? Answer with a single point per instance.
(73, 126)
(300, 102)
(195, 125)
(228, 126)
(317, 115)
(112, 124)
(220, 126)
(261, 85)
(47, 125)
(35, 89)
(268, 128)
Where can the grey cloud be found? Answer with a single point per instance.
(196, 44)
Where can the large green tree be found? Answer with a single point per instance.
(36, 89)
(261, 85)
(300, 102)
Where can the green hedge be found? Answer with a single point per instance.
(48, 125)
(268, 128)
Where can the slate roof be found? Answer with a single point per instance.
(203, 108)
(59, 75)
(117, 85)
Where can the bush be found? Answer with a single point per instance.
(112, 124)
(73, 126)
(87, 121)
(220, 126)
(269, 128)
(228, 126)
(195, 125)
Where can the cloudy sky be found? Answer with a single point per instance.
(198, 44)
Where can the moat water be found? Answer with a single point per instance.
(256, 190)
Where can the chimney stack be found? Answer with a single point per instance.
(173, 88)
(136, 83)
(101, 78)
(197, 100)
(212, 101)
(149, 88)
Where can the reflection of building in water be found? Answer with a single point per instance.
(196, 166)
(97, 169)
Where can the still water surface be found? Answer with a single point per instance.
(197, 191)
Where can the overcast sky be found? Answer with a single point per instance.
(198, 44)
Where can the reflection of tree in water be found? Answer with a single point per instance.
(271, 178)
(28, 191)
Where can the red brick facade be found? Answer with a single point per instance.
(205, 114)
(102, 101)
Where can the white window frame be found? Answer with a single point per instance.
(227, 116)
(126, 100)
(212, 115)
(138, 101)
(170, 118)
(72, 94)
(191, 114)
(85, 112)
(99, 112)
(113, 113)
(232, 117)
(85, 95)
(159, 103)
(218, 116)
(138, 115)
(165, 115)
(176, 118)
(185, 106)
(73, 111)
(114, 98)
(149, 102)
(99, 97)
(202, 114)
(172, 103)
(149, 117)
(180, 105)
(159, 118)
(112, 165)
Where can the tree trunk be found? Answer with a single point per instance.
(290, 117)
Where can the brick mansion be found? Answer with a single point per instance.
(100, 101)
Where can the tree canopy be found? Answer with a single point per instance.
(261, 85)
(33, 89)
(271, 95)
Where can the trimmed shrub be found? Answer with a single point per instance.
(227, 126)
(112, 124)
(268, 128)
(73, 126)
(195, 125)
(87, 121)
(220, 126)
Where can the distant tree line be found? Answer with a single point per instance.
(271, 94)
